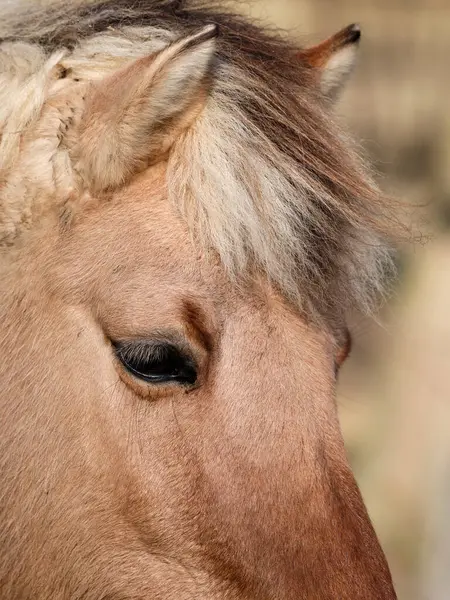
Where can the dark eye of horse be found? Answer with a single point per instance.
(343, 351)
(156, 361)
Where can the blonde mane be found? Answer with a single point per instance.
(263, 176)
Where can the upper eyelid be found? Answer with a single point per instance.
(157, 336)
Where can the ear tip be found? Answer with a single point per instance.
(353, 33)
(209, 32)
(201, 37)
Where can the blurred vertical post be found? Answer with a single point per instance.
(437, 551)
(437, 548)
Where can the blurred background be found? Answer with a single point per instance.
(395, 390)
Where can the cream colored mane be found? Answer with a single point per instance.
(263, 175)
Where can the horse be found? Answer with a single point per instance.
(184, 230)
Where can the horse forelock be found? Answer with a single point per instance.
(263, 176)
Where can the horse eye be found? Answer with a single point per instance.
(343, 351)
(156, 362)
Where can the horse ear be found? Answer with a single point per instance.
(334, 60)
(132, 117)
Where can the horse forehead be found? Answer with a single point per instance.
(137, 225)
(134, 248)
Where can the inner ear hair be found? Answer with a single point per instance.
(132, 117)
